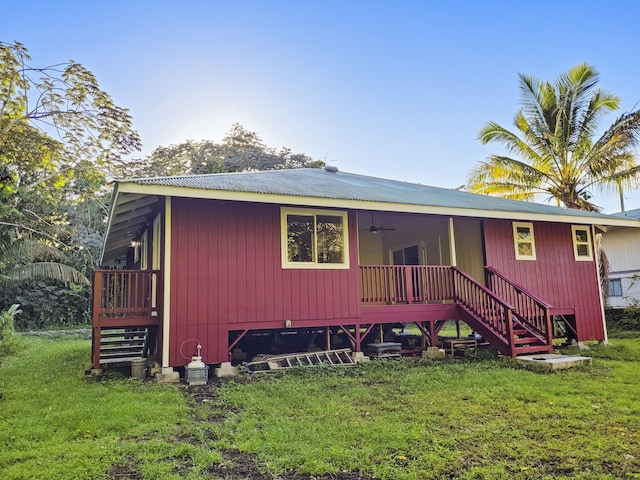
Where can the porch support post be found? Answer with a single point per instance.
(432, 333)
(358, 339)
(95, 321)
(166, 288)
(452, 243)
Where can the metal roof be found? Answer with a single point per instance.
(635, 214)
(135, 200)
(320, 183)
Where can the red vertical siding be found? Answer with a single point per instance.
(555, 275)
(227, 274)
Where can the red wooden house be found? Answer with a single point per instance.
(253, 258)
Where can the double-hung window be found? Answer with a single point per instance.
(314, 238)
(581, 243)
(524, 241)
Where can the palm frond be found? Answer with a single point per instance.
(45, 270)
(494, 132)
(505, 177)
(26, 250)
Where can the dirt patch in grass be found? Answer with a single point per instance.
(124, 472)
(237, 464)
(242, 465)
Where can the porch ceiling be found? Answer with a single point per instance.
(130, 213)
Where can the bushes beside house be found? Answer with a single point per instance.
(624, 320)
(48, 304)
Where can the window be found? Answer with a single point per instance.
(615, 287)
(581, 243)
(314, 239)
(524, 241)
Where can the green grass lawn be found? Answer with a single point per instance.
(470, 418)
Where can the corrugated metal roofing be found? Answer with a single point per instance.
(629, 214)
(319, 183)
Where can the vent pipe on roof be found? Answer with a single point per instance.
(331, 169)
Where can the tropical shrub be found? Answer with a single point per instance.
(10, 341)
(47, 304)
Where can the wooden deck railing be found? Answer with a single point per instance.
(385, 284)
(123, 293)
(531, 310)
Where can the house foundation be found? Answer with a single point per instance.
(225, 370)
(167, 375)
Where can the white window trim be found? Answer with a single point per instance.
(144, 250)
(284, 211)
(528, 225)
(581, 258)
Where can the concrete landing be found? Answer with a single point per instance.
(552, 361)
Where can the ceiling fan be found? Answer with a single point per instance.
(373, 228)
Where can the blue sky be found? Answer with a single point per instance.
(397, 89)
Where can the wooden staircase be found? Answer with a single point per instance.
(517, 325)
(121, 345)
(125, 315)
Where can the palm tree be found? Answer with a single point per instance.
(555, 152)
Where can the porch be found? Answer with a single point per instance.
(127, 318)
(512, 319)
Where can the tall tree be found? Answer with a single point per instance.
(555, 151)
(60, 134)
(240, 150)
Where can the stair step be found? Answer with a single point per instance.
(107, 356)
(526, 340)
(533, 349)
(118, 360)
(133, 333)
(121, 341)
(113, 348)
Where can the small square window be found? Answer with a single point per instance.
(581, 243)
(524, 241)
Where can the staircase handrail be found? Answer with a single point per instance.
(503, 326)
(541, 327)
(483, 288)
(519, 287)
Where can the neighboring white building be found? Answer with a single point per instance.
(622, 246)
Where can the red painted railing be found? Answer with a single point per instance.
(531, 310)
(123, 293)
(384, 284)
(484, 304)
